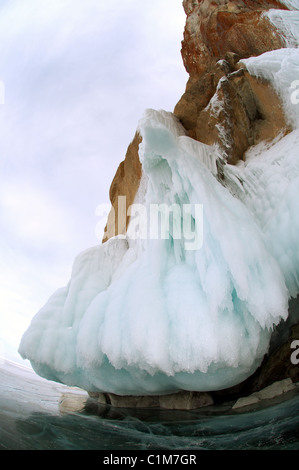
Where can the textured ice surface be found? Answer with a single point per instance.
(287, 23)
(148, 316)
(268, 184)
(270, 176)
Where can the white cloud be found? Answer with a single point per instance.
(77, 75)
(32, 214)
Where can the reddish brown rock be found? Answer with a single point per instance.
(217, 35)
(125, 183)
(214, 28)
(243, 112)
(176, 401)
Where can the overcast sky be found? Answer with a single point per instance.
(77, 76)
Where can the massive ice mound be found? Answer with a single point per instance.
(193, 309)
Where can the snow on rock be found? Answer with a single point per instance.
(270, 174)
(281, 67)
(268, 184)
(244, 31)
(287, 22)
(291, 4)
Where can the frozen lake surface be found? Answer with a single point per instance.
(41, 415)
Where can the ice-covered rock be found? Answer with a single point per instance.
(188, 301)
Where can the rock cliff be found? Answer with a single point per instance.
(222, 103)
(216, 28)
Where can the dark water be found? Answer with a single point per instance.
(40, 415)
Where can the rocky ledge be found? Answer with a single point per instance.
(196, 400)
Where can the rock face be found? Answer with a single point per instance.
(125, 183)
(222, 103)
(217, 35)
(243, 112)
(176, 401)
(214, 28)
(278, 365)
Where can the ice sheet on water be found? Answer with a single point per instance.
(153, 317)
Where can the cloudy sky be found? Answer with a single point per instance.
(75, 78)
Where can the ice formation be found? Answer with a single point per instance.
(148, 316)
